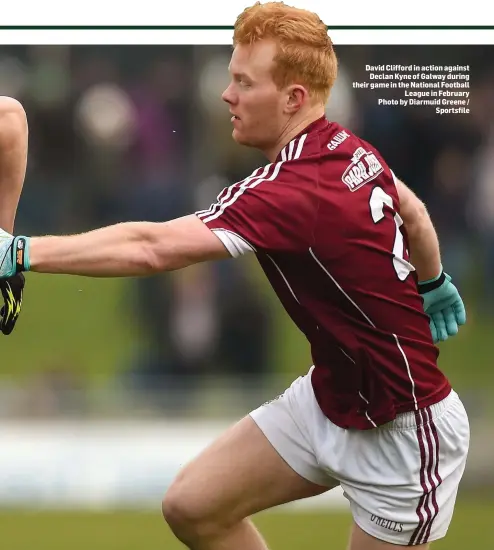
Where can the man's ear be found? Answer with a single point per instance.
(297, 95)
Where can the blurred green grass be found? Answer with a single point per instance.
(76, 323)
(282, 530)
(90, 326)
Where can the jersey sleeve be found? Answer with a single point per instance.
(272, 210)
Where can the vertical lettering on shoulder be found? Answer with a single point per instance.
(338, 139)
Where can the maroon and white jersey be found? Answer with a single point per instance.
(323, 221)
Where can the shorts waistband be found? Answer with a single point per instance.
(415, 419)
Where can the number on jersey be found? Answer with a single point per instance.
(377, 201)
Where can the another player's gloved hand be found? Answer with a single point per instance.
(443, 305)
(14, 254)
(12, 290)
(14, 258)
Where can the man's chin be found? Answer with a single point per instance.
(241, 139)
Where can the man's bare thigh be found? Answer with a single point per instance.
(238, 475)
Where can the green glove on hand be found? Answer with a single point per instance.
(443, 305)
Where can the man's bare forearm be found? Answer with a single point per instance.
(13, 158)
(122, 250)
(131, 249)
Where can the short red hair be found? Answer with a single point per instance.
(305, 51)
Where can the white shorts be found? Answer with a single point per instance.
(401, 479)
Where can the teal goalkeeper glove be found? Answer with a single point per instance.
(443, 305)
(14, 254)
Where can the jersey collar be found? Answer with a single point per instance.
(316, 126)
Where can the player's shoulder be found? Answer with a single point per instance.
(324, 146)
(313, 141)
(300, 158)
(339, 141)
(324, 139)
(350, 159)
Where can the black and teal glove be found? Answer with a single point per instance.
(12, 290)
(443, 305)
(14, 259)
(14, 254)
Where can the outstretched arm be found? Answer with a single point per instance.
(127, 249)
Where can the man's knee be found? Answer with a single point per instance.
(12, 114)
(9, 105)
(175, 507)
(188, 514)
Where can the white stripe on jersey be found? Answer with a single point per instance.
(408, 370)
(366, 413)
(284, 278)
(360, 393)
(290, 149)
(227, 191)
(370, 322)
(300, 146)
(239, 191)
(200, 213)
(250, 183)
(340, 289)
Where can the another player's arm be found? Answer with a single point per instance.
(128, 249)
(13, 158)
(424, 244)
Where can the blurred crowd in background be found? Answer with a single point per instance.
(141, 133)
